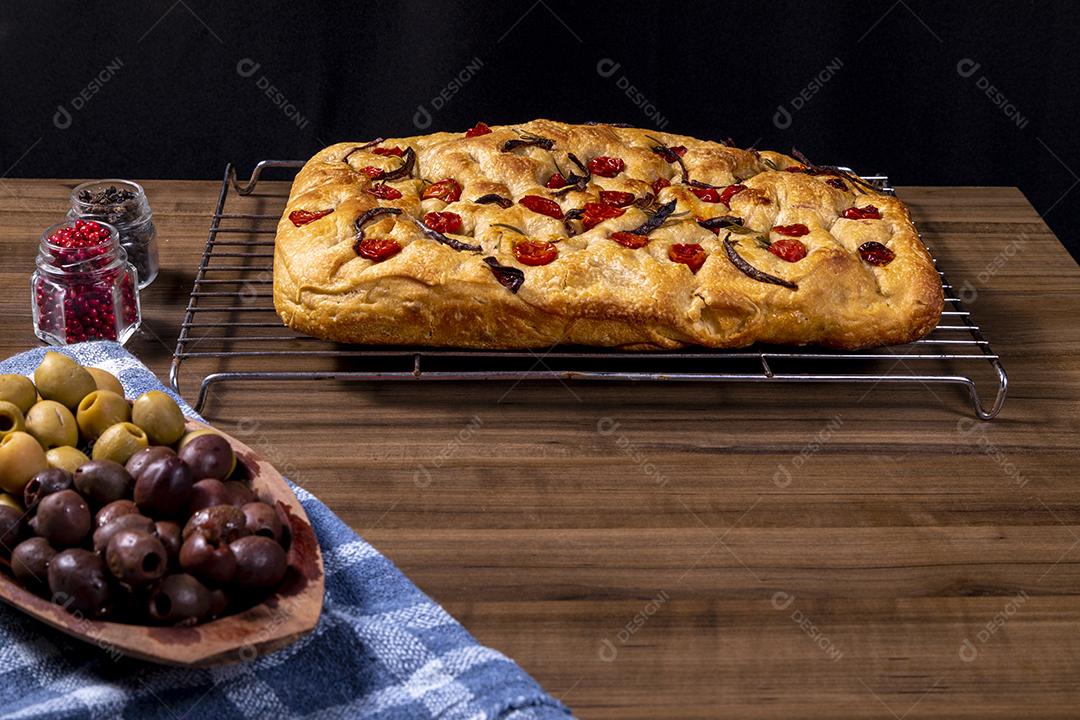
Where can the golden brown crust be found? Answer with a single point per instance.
(596, 292)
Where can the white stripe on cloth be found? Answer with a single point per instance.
(98, 700)
(404, 655)
(33, 654)
(422, 616)
(463, 659)
(459, 661)
(390, 697)
(254, 698)
(301, 494)
(346, 555)
(438, 690)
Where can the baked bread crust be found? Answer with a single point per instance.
(596, 292)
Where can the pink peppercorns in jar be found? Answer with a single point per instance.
(83, 288)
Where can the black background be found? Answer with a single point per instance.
(895, 101)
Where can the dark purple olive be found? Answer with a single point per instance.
(179, 600)
(63, 519)
(238, 494)
(164, 487)
(30, 562)
(221, 523)
(102, 481)
(45, 482)
(262, 520)
(128, 603)
(78, 582)
(210, 561)
(209, 456)
(134, 521)
(260, 562)
(219, 602)
(136, 558)
(115, 509)
(144, 457)
(208, 492)
(169, 534)
(12, 528)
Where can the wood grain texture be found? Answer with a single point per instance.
(912, 567)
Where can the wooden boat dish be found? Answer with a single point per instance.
(291, 612)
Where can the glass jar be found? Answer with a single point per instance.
(122, 204)
(84, 288)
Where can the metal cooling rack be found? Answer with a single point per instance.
(231, 332)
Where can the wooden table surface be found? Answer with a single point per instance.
(916, 565)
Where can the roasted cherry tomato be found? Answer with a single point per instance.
(446, 190)
(535, 252)
(875, 253)
(864, 213)
(796, 230)
(373, 172)
(542, 205)
(555, 182)
(679, 150)
(303, 217)
(787, 249)
(377, 249)
(477, 130)
(707, 194)
(605, 166)
(630, 240)
(731, 191)
(395, 151)
(444, 222)
(385, 192)
(596, 213)
(692, 255)
(659, 184)
(616, 198)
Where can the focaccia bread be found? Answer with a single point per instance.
(529, 235)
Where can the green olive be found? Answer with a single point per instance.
(105, 380)
(60, 378)
(66, 457)
(52, 424)
(18, 390)
(160, 416)
(119, 442)
(101, 410)
(10, 501)
(11, 418)
(20, 459)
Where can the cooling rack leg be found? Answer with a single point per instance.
(174, 375)
(999, 400)
(204, 389)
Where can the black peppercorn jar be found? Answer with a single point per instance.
(122, 204)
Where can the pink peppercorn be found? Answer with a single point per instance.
(84, 288)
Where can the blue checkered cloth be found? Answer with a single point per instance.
(382, 648)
